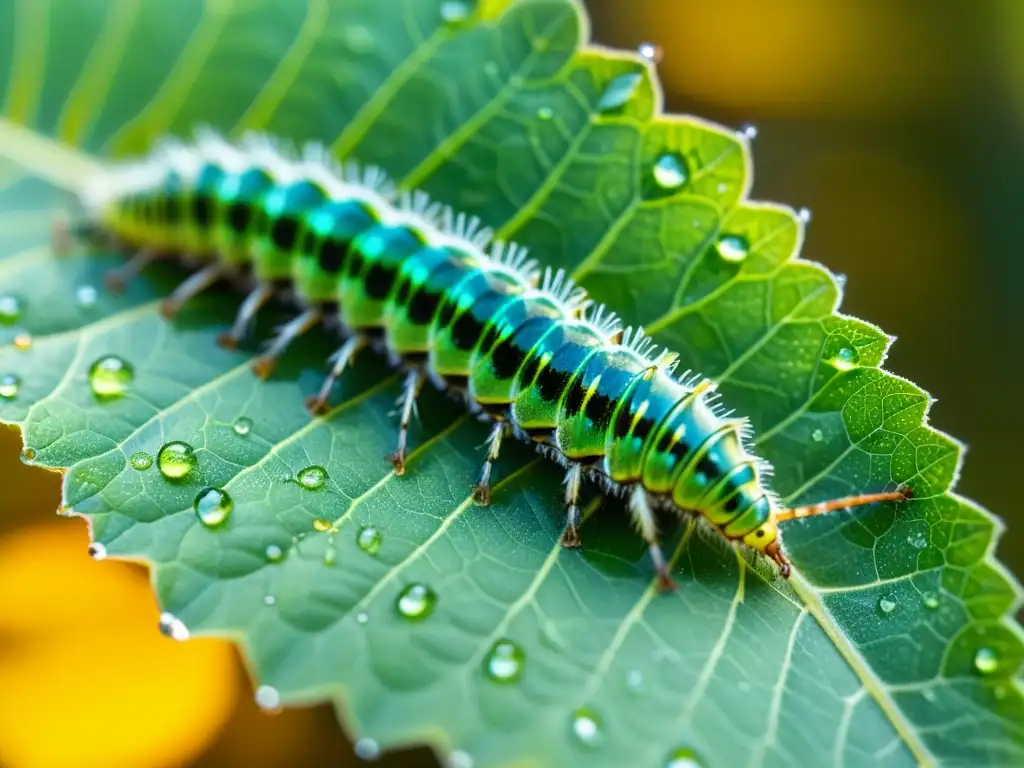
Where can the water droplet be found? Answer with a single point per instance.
(242, 426)
(369, 540)
(173, 627)
(817, 435)
(367, 748)
(213, 507)
(722, 187)
(804, 215)
(635, 680)
(274, 553)
(330, 556)
(416, 601)
(321, 525)
(491, 68)
(141, 461)
(586, 727)
(10, 309)
(846, 359)
(359, 38)
(22, 341)
(460, 758)
(175, 460)
(670, 171)
(9, 386)
(455, 11)
(732, 248)
(886, 605)
(362, 617)
(651, 52)
(683, 757)
(269, 600)
(986, 661)
(931, 600)
(110, 376)
(748, 132)
(28, 455)
(268, 698)
(86, 296)
(917, 543)
(545, 113)
(312, 478)
(504, 663)
(619, 91)
(97, 551)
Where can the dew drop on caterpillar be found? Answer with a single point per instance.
(524, 346)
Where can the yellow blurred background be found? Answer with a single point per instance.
(899, 123)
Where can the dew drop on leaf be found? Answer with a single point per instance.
(619, 91)
(931, 600)
(817, 435)
(651, 52)
(86, 296)
(455, 11)
(846, 359)
(274, 553)
(141, 461)
(23, 341)
(886, 605)
(28, 455)
(321, 525)
(213, 507)
(986, 661)
(269, 600)
(732, 248)
(670, 171)
(504, 662)
(683, 757)
(804, 215)
(545, 113)
(367, 748)
(586, 727)
(416, 602)
(359, 38)
(312, 478)
(330, 556)
(173, 627)
(748, 132)
(175, 459)
(10, 309)
(369, 540)
(110, 377)
(97, 551)
(635, 680)
(362, 617)
(268, 698)
(460, 758)
(9, 386)
(242, 426)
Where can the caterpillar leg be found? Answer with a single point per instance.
(190, 288)
(253, 303)
(482, 491)
(411, 387)
(643, 519)
(317, 404)
(265, 364)
(117, 279)
(571, 535)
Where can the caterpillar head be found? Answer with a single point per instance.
(765, 538)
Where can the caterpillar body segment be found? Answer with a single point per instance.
(526, 349)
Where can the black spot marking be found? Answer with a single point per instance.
(202, 210)
(285, 232)
(574, 399)
(239, 216)
(466, 331)
(332, 255)
(379, 281)
(423, 306)
(506, 359)
(551, 383)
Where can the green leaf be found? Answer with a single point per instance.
(891, 645)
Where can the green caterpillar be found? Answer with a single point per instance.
(405, 276)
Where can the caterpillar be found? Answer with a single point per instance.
(523, 347)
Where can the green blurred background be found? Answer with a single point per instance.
(899, 123)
